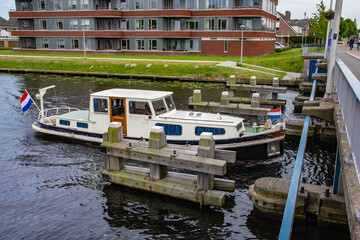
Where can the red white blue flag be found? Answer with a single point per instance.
(25, 101)
(274, 114)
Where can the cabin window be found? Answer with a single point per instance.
(159, 106)
(65, 122)
(239, 126)
(214, 131)
(118, 107)
(82, 125)
(137, 107)
(170, 103)
(170, 129)
(100, 105)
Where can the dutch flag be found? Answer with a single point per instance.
(25, 101)
(274, 114)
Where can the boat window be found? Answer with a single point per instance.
(65, 122)
(82, 125)
(239, 126)
(214, 131)
(100, 105)
(170, 129)
(159, 106)
(118, 107)
(137, 107)
(170, 103)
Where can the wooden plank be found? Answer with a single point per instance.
(226, 155)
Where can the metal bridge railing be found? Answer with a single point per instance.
(348, 90)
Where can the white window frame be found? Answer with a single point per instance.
(141, 4)
(220, 23)
(73, 43)
(151, 4)
(226, 46)
(40, 4)
(142, 44)
(188, 23)
(57, 21)
(44, 41)
(127, 24)
(84, 4)
(58, 4)
(127, 41)
(42, 25)
(141, 24)
(85, 22)
(74, 26)
(196, 3)
(221, 2)
(58, 46)
(71, 5)
(211, 4)
(212, 24)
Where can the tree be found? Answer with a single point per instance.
(318, 22)
(347, 28)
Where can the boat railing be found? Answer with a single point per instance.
(49, 112)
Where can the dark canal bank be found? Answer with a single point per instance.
(52, 189)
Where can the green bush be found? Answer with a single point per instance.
(6, 48)
(282, 49)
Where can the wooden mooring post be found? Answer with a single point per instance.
(275, 89)
(205, 161)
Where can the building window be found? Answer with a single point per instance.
(41, 5)
(82, 125)
(153, 44)
(139, 24)
(124, 24)
(191, 45)
(26, 25)
(171, 129)
(108, 44)
(139, 44)
(44, 43)
(72, 4)
(100, 105)
(192, 4)
(60, 43)
(209, 24)
(214, 131)
(152, 4)
(222, 24)
(58, 4)
(210, 4)
(85, 24)
(75, 44)
(139, 4)
(152, 24)
(59, 24)
(65, 122)
(192, 24)
(74, 24)
(84, 4)
(43, 24)
(225, 46)
(124, 4)
(125, 44)
(223, 3)
(88, 43)
(138, 107)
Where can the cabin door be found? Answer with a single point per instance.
(118, 112)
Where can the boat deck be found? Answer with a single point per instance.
(81, 115)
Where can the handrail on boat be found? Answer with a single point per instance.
(57, 109)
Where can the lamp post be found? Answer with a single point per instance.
(84, 42)
(242, 27)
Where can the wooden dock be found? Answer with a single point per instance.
(205, 161)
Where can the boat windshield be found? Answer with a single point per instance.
(159, 106)
(170, 103)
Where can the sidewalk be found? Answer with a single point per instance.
(354, 53)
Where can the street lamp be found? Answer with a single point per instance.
(242, 27)
(84, 42)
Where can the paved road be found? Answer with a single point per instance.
(352, 61)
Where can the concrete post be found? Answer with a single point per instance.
(115, 135)
(197, 96)
(157, 140)
(253, 81)
(255, 100)
(334, 38)
(225, 98)
(275, 83)
(232, 80)
(206, 149)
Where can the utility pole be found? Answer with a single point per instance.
(334, 39)
(328, 32)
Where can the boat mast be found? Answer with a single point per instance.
(40, 96)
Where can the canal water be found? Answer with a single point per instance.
(52, 189)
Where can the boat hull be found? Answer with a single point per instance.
(252, 147)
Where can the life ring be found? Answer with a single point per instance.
(281, 128)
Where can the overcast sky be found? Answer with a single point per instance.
(296, 7)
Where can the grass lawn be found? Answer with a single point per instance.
(286, 61)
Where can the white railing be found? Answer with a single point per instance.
(348, 89)
(50, 112)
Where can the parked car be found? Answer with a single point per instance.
(278, 45)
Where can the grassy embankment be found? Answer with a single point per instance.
(286, 61)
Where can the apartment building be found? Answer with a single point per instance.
(162, 27)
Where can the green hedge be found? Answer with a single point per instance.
(282, 49)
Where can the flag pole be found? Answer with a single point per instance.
(33, 100)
